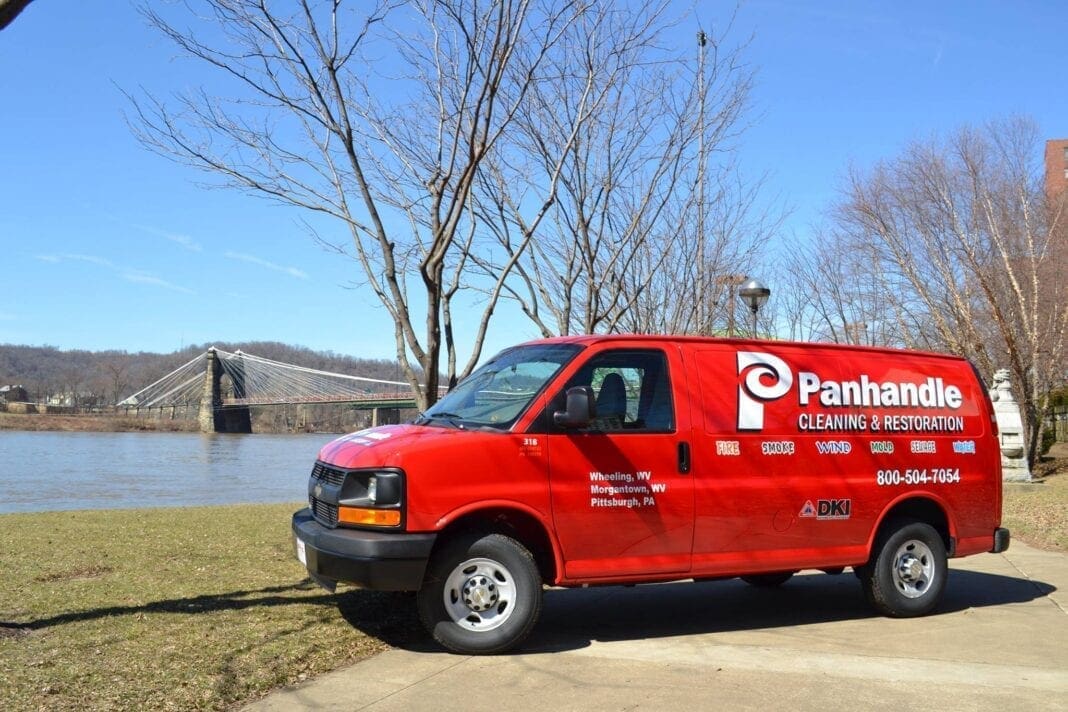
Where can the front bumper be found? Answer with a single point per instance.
(384, 561)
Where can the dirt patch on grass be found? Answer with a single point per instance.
(1053, 464)
(10, 630)
(85, 572)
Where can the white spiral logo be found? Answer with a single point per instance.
(753, 393)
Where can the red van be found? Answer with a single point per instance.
(631, 459)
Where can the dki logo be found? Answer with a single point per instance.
(827, 509)
(753, 393)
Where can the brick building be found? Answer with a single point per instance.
(1056, 166)
(1056, 266)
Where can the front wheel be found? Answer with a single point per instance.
(482, 594)
(908, 574)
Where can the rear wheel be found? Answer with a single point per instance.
(768, 580)
(482, 594)
(908, 574)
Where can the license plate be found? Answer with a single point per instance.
(302, 554)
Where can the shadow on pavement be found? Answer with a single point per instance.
(573, 618)
(389, 616)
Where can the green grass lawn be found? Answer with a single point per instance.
(1038, 513)
(186, 608)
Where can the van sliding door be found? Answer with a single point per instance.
(622, 495)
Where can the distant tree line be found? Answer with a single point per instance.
(100, 379)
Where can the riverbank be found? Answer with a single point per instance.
(192, 608)
(207, 608)
(92, 423)
(337, 419)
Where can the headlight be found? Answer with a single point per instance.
(372, 488)
(366, 497)
(371, 498)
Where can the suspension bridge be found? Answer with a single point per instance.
(221, 386)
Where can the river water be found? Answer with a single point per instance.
(42, 471)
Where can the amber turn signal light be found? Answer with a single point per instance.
(372, 517)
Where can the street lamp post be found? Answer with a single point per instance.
(755, 295)
(855, 332)
(729, 282)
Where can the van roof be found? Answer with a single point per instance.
(588, 339)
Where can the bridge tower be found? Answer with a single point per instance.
(213, 417)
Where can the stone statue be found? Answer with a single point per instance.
(1010, 429)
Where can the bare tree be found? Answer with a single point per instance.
(116, 372)
(10, 9)
(72, 380)
(379, 117)
(960, 241)
(832, 293)
(619, 249)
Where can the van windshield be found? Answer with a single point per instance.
(496, 394)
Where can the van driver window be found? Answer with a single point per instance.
(632, 392)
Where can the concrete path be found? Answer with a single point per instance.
(999, 642)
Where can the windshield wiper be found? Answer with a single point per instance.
(453, 419)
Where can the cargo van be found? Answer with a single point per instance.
(631, 459)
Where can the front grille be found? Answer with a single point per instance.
(327, 474)
(325, 513)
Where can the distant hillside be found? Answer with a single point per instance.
(97, 378)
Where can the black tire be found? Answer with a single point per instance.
(907, 574)
(481, 594)
(768, 580)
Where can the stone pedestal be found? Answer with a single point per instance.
(1010, 430)
(385, 416)
(210, 399)
(213, 417)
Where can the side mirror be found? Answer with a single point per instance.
(580, 408)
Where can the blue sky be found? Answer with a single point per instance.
(106, 245)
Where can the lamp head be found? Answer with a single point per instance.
(754, 294)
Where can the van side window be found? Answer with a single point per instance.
(632, 392)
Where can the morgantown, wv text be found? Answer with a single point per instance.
(624, 489)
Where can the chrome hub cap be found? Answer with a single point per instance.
(913, 568)
(479, 594)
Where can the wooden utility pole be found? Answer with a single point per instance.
(703, 326)
(731, 282)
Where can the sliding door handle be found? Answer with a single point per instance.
(684, 457)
